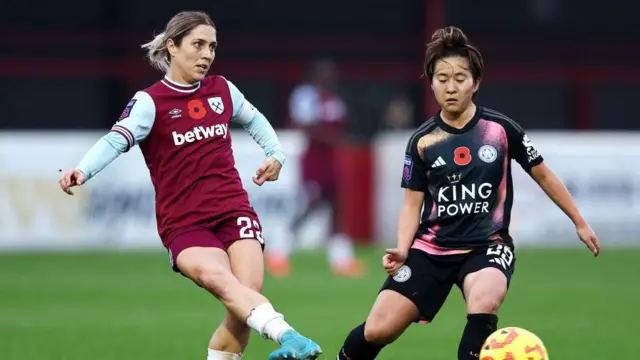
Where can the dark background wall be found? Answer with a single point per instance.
(552, 64)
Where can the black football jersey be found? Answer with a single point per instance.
(466, 177)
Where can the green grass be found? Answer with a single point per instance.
(99, 306)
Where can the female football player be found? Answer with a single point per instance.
(457, 166)
(204, 218)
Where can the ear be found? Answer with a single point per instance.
(476, 86)
(171, 47)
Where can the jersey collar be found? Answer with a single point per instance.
(450, 129)
(180, 87)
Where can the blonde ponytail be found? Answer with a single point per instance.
(157, 52)
(177, 28)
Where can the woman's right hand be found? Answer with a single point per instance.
(393, 260)
(71, 178)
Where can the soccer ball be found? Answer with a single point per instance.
(513, 343)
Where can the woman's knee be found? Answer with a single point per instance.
(389, 318)
(209, 268)
(216, 280)
(247, 263)
(379, 330)
(485, 303)
(485, 291)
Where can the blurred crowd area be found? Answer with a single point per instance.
(550, 64)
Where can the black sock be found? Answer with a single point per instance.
(356, 347)
(478, 329)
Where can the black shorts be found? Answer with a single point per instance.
(427, 279)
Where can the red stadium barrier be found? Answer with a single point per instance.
(133, 71)
(355, 191)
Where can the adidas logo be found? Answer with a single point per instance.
(439, 162)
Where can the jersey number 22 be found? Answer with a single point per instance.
(246, 231)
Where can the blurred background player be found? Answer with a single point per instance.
(457, 167)
(398, 114)
(204, 218)
(316, 107)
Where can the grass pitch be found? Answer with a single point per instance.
(114, 306)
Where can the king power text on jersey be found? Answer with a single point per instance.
(463, 199)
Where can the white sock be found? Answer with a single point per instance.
(267, 322)
(221, 355)
(340, 249)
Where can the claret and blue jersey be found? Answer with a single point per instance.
(183, 133)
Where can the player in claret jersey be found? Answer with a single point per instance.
(457, 167)
(205, 221)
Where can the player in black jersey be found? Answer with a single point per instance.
(457, 174)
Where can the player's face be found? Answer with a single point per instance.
(453, 84)
(195, 54)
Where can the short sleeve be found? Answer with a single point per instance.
(521, 148)
(136, 119)
(414, 173)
